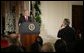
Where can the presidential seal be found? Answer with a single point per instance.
(31, 26)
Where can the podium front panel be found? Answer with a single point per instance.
(29, 28)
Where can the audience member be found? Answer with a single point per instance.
(11, 44)
(47, 47)
(35, 47)
(39, 40)
(67, 34)
(60, 46)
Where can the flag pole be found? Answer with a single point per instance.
(29, 7)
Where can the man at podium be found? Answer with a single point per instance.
(25, 17)
(27, 39)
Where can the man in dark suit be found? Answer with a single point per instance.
(67, 34)
(25, 17)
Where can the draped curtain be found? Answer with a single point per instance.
(10, 21)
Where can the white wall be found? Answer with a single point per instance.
(53, 13)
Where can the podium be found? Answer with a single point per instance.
(29, 32)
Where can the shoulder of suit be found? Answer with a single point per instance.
(21, 16)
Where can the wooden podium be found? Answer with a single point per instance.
(29, 32)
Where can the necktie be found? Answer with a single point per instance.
(26, 18)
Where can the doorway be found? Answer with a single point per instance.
(77, 19)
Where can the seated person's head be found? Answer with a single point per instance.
(10, 43)
(39, 40)
(47, 47)
(60, 46)
(14, 39)
(35, 47)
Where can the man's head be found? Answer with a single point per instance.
(66, 22)
(26, 13)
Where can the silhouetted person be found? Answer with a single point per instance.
(67, 34)
(35, 47)
(10, 45)
(60, 46)
(39, 40)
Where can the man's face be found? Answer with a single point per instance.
(63, 24)
(26, 13)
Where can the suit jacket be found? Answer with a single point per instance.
(67, 34)
(22, 19)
